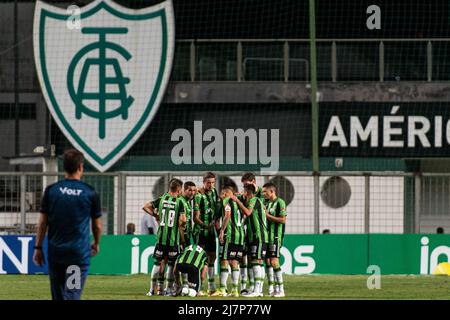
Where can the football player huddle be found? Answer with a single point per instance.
(248, 228)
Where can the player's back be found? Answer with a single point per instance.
(194, 255)
(70, 204)
(257, 222)
(169, 210)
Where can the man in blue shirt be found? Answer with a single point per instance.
(67, 208)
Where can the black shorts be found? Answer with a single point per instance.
(273, 249)
(247, 248)
(230, 251)
(163, 251)
(208, 243)
(258, 250)
(194, 275)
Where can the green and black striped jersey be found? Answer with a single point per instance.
(201, 204)
(234, 233)
(214, 202)
(169, 211)
(276, 208)
(257, 221)
(244, 201)
(194, 255)
(189, 211)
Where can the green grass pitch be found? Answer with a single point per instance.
(36, 287)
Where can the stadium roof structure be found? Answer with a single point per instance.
(39, 155)
(31, 159)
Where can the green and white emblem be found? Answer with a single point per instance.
(104, 81)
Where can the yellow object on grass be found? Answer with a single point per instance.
(442, 269)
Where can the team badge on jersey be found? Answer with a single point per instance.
(103, 79)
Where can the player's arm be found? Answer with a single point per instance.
(272, 218)
(175, 271)
(198, 201)
(246, 211)
(182, 219)
(41, 229)
(204, 271)
(97, 233)
(148, 207)
(198, 221)
(182, 239)
(96, 225)
(216, 223)
(151, 208)
(42, 225)
(182, 227)
(281, 218)
(38, 255)
(226, 220)
(182, 223)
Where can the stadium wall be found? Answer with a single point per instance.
(344, 254)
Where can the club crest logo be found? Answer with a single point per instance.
(104, 80)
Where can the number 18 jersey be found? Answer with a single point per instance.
(169, 210)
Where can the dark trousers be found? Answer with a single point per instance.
(67, 281)
(194, 275)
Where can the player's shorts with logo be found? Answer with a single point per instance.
(273, 249)
(208, 243)
(193, 273)
(258, 250)
(162, 251)
(231, 251)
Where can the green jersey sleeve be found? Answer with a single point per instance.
(197, 201)
(225, 206)
(252, 203)
(282, 208)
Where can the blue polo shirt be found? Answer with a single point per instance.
(70, 206)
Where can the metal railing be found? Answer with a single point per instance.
(287, 59)
(343, 202)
